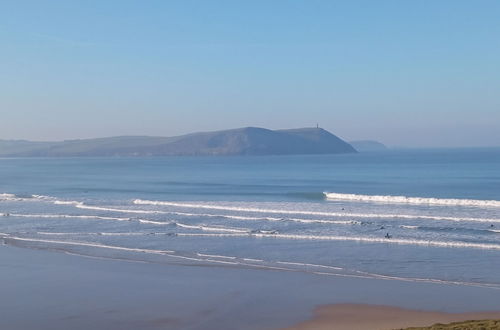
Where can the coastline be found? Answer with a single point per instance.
(374, 317)
(52, 290)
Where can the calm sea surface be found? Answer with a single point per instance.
(420, 215)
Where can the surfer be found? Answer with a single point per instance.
(388, 236)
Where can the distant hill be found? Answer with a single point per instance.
(242, 141)
(368, 145)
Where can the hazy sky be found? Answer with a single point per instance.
(407, 73)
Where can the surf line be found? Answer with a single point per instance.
(236, 261)
(317, 213)
(413, 200)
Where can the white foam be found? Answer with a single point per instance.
(91, 245)
(413, 200)
(82, 205)
(311, 213)
(207, 228)
(8, 197)
(231, 260)
(97, 234)
(411, 279)
(221, 261)
(240, 217)
(96, 217)
(215, 256)
(13, 197)
(150, 222)
(253, 260)
(62, 216)
(211, 235)
(58, 202)
(361, 239)
(182, 225)
(308, 265)
(203, 260)
(446, 244)
(43, 197)
(409, 227)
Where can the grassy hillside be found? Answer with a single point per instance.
(466, 325)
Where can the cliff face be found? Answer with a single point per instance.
(242, 141)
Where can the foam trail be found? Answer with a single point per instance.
(241, 262)
(150, 222)
(70, 216)
(317, 213)
(412, 279)
(308, 265)
(112, 247)
(212, 235)
(409, 227)
(363, 239)
(331, 214)
(253, 260)
(62, 216)
(82, 205)
(240, 217)
(215, 256)
(96, 234)
(168, 253)
(17, 198)
(413, 200)
(207, 228)
(484, 246)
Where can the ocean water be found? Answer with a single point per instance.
(412, 215)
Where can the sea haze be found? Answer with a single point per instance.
(415, 215)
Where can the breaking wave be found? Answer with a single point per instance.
(361, 239)
(353, 197)
(301, 212)
(388, 199)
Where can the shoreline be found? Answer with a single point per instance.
(44, 289)
(378, 317)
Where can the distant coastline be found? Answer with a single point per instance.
(234, 142)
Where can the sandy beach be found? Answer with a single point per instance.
(54, 290)
(373, 317)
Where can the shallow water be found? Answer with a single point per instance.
(421, 215)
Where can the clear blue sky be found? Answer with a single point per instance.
(407, 73)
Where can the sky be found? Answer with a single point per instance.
(407, 73)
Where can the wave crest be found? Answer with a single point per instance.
(389, 199)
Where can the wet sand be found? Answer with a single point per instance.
(373, 317)
(53, 290)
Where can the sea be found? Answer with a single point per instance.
(426, 215)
